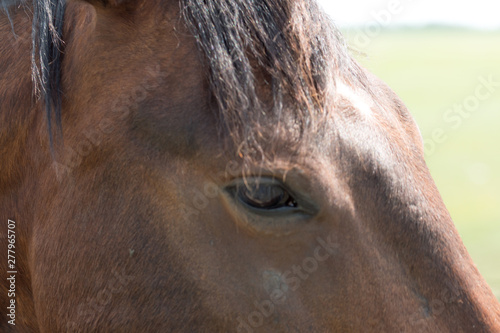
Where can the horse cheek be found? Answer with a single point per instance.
(278, 297)
(293, 282)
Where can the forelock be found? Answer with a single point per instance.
(272, 68)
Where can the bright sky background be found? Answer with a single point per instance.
(482, 14)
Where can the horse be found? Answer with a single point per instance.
(215, 166)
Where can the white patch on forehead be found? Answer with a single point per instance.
(359, 99)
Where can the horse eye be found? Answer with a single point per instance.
(265, 196)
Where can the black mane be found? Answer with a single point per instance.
(46, 54)
(289, 47)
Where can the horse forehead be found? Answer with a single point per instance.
(358, 99)
(368, 127)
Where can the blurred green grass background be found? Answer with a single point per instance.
(432, 69)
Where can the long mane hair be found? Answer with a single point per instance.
(291, 48)
(268, 61)
(46, 53)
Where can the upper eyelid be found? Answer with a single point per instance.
(263, 180)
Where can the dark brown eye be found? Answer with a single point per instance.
(265, 196)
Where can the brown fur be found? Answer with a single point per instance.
(121, 231)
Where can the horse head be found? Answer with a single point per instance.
(217, 166)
